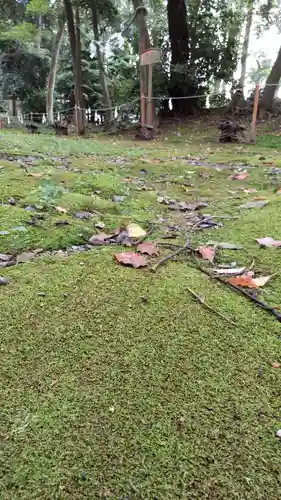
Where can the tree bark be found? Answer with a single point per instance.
(53, 70)
(75, 64)
(144, 44)
(79, 64)
(180, 51)
(102, 76)
(272, 81)
(245, 47)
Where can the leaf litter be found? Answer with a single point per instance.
(148, 248)
(131, 259)
(268, 242)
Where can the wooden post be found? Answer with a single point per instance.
(254, 115)
(149, 96)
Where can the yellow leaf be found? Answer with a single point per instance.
(135, 231)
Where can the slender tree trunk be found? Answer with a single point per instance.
(272, 82)
(79, 64)
(39, 34)
(75, 64)
(102, 76)
(144, 44)
(180, 51)
(245, 47)
(53, 71)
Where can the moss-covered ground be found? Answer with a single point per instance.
(115, 382)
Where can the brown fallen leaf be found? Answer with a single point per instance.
(240, 176)
(149, 248)
(269, 163)
(131, 259)
(275, 364)
(278, 191)
(61, 210)
(207, 253)
(268, 242)
(248, 281)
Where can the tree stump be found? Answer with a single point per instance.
(231, 131)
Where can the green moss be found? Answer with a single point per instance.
(105, 390)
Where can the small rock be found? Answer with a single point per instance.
(275, 364)
(143, 171)
(278, 433)
(83, 215)
(29, 208)
(4, 281)
(100, 225)
(3, 233)
(117, 199)
(41, 294)
(12, 201)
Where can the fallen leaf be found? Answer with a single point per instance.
(248, 281)
(254, 204)
(269, 163)
(149, 248)
(259, 198)
(61, 210)
(99, 239)
(275, 364)
(105, 493)
(100, 225)
(35, 174)
(4, 281)
(4, 257)
(131, 259)
(83, 215)
(250, 190)
(225, 246)
(243, 280)
(268, 242)
(278, 191)
(240, 176)
(262, 280)
(208, 253)
(135, 231)
(229, 271)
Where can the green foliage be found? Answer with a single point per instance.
(24, 32)
(38, 7)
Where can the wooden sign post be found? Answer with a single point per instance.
(148, 58)
(254, 115)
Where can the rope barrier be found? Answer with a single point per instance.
(27, 115)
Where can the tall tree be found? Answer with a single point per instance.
(53, 69)
(76, 64)
(179, 41)
(246, 41)
(100, 59)
(271, 84)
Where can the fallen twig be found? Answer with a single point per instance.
(173, 254)
(202, 301)
(249, 295)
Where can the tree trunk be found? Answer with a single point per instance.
(144, 44)
(245, 48)
(102, 76)
(79, 65)
(53, 71)
(75, 64)
(180, 86)
(39, 35)
(272, 80)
